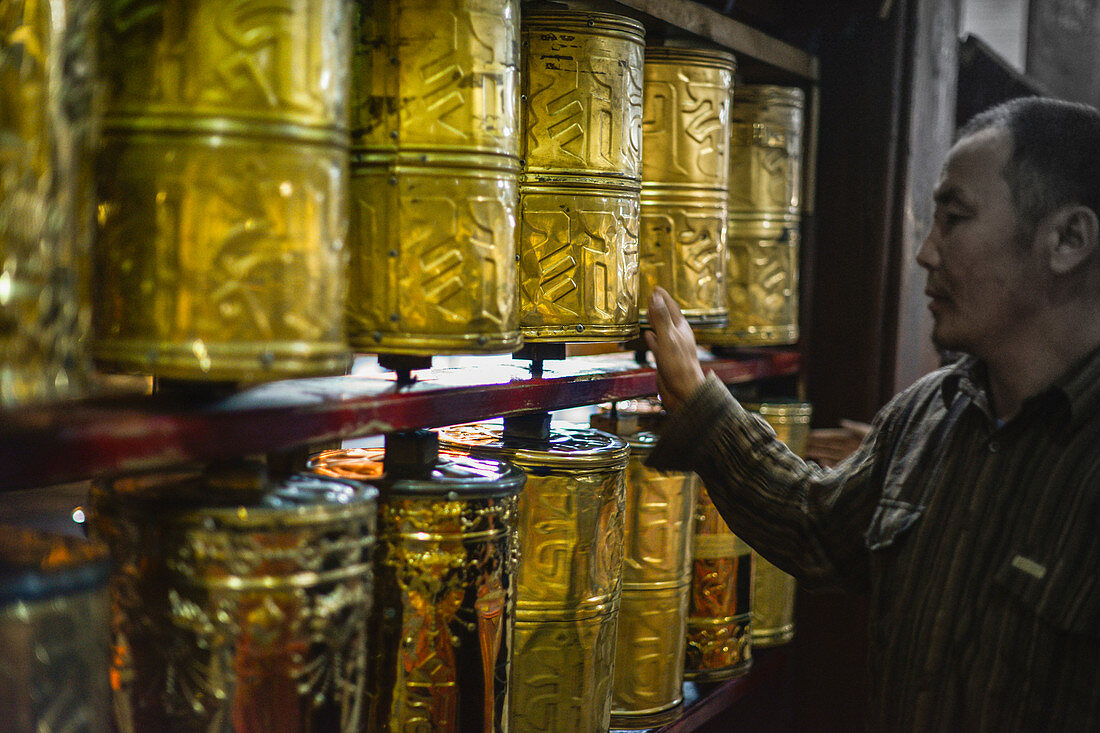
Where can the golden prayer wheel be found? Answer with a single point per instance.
(719, 636)
(568, 582)
(222, 189)
(649, 648)
(773, 591)
(764, 218)
(246, 616)
(580, 188)
(49, 115)
(685, 178)
(54, 633)
(434, 177)
(440, 639)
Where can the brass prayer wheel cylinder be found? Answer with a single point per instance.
(440, 639)
(222, 189)
(434, 177)
(766, 150)
(685, 178)
(773, 591)
(245, 615)
(762, 261)
(719, 635)
(649, 647)
(54, 633)
(49, 115)
(569, 578)
(580, 188)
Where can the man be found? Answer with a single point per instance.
(971, 513)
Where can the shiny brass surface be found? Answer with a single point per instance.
(222, 188)
(685, 178)
(719, 636)
(433, 266)
(435, 175)
(773, 591)
(766, 150)
(761, 283)
(569, 580)
(49, 115)
(250, 617)
(54, 640)
(578, 261)
(440, 639)
(649, 647)
(580, 189)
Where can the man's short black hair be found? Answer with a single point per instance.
(1055, 158)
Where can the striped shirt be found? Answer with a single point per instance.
(978, 544)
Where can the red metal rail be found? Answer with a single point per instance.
(45, 446)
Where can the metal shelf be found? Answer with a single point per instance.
(729, 33)
(58, 444)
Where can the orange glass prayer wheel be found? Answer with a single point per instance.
(580, 186)
(685, 178)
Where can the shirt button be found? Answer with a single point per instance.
(994, 446)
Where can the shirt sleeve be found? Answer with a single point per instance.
(806, 520)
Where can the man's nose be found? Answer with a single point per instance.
(928, 256)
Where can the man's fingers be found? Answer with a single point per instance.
(650, 340)
(659, 317)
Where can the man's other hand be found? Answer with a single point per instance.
(679, 373)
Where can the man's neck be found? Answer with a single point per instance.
(1029, 365)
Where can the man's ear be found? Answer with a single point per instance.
(1072, 235)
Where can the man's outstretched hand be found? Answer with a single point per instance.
(672, 343)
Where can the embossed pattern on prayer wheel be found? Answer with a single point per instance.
(766, 150)
(244, 616)
(54, 633)
(580, 188)
(440, 639)
(569, 578)
(649, 648)
(49, 114)
(761, 283)
(719, 636)
(773, 591)
(685, 178)
(222, 189)
(435, 172)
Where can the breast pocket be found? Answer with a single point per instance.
(1061, 590)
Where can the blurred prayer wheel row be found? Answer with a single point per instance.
(762, 246)
(434, 177)
(440, 635)
(773, 590)
(580, 188)
(568, 582)
(245, 613)
(649, 646)
(54, 646)
(685, 178)
(49, 115)
(222, 189)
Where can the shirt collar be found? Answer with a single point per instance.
(1078, 388)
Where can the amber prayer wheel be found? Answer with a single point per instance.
(649, 647)
(54, 633)
(762, 245)
(719, 636)
(773, 591)
(434, 177)
(569, 576)
(685, 178)
(49, 115)
(248, 615)
(440, 635)
(222, 186)
(581, 182)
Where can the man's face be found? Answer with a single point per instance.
(983, 275)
